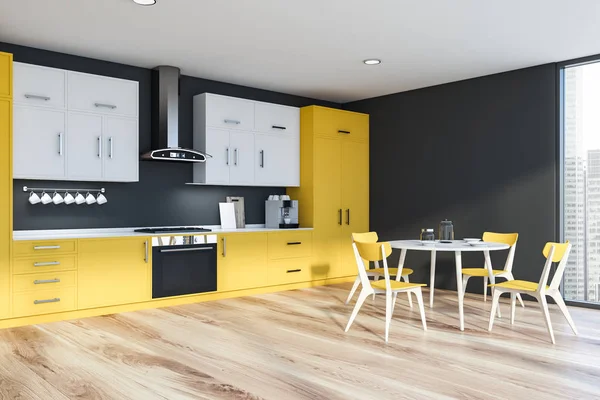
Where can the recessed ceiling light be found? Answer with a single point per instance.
(145, 2)
(372, 61)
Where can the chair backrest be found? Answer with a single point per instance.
(555, 252)
(372, 252)
(367, 237)
(506, 238)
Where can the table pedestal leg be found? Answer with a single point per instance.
(459, 289)
(432, 278)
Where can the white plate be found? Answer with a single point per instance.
(472, 240)
(427, 242)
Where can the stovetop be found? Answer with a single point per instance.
(181, 229)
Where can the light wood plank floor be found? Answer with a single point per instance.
(291, 345)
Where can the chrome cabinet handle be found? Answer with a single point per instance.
(235, 156)
(347, 216)
(110, 147)
(278, 127)
(104, 105)
(45, 264)
(99, 146)
(224, 247)
(60, 144)
(232, 121)
(227, 160)
(344, 132)
(54, 300)
(146, 252)
(293, 270)
(340, 216)
(46, 247)
(185, 249)
(36, 96)
(42, 281)
(262, 158)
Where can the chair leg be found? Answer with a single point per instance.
(544, 307)
(394, 302)
(361, 299)
(520, 300)
(388, 314)
(465, 280)
(499, 313)
(509, 277)
(495, 304)
(375, 278)
(405, 277)
(563, 308)
(513, 300)
(419, 296)
(485, 283)
(353, 290)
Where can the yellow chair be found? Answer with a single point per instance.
(376, 273)
(378, 252)
(487, 272)
(554, 252)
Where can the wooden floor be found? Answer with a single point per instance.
(292, 345)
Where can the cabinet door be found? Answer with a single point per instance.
(242, 261)
(101, 94)
(121, 155)
(340, 123)
(241, 167)
(229, 112)
(277, 160)
(113, 271)
(277, 119)
(38, 143)
(6, 79)
(217, 145)
(84, 147)
(5, 203)
(355, 198)
(39, 86)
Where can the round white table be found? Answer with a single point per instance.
(457, 246)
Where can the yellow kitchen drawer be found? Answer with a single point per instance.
(44, 281)
(6, 74)
(28, 248)
(333, 122)
(44, 264)
(292, 270)
(44, 301)
(289, 244)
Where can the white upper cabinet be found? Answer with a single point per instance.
(39, 143)
(242, 135)
(276, 119)
(101, 94)
(39, 86)
(74, 126)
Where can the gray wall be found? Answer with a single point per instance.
(161, 197)
(480, 152)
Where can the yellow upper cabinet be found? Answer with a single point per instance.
(339, 123)
(114, 271)
(6, 61)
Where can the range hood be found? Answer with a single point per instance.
(165, 119)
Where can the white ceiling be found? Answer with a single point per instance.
(314, 48)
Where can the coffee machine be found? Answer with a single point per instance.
(281, 214)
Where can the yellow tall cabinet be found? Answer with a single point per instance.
(5, 180)
(334, 185)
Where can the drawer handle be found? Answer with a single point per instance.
(293, 270)
(42, 281)
(279, 127)
(36, 96)
(344, 132)
(104, 105)
(45, 264)
(232, 121)
(293, 243)
(46, 247)
(54, 300)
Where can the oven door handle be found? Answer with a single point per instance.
(186, 249)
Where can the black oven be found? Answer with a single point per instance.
(181, 265)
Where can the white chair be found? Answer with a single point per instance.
(379, 252)
(377, 272)
(554, 252)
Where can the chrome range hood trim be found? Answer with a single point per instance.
(165, 119)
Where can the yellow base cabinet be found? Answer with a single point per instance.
(334, 185)
(241, 261)
(5, 181)
(113, 271)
